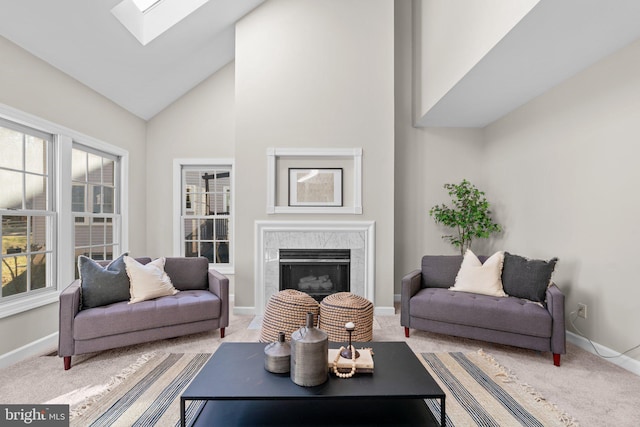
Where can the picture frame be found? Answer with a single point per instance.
(315, 187)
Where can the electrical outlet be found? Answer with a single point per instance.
(582, 310)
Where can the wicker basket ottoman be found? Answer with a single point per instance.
(342, 307)
(287, 311)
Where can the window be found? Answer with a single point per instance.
(205, 211)
(60, 195)
(26, 211)
(93, 203)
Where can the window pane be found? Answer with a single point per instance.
(11, 194)
(222, 229)
(108, 168)
(36, 196)
(190, 249)
(222, 252)
(38, 235)
(94, 173)
(77, 198)
(79, 165)
(81, 232)
(14, 234)
(38, 271)
(107, 199)
(97, 231)
(192, 178)
(206, 229)
(36, 155)
(108, 228)
(191, 229)
(14, 275)
(96, 198)
(206, 250)
(11, 149)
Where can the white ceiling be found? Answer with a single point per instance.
(556, 40)
(84, 40)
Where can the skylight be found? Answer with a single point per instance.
(147, 19)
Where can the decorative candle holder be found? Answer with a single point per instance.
(347, 352)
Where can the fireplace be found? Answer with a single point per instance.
(318, 272)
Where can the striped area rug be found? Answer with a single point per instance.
(148, 396)
(480, 392)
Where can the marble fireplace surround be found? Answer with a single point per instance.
(271, 236)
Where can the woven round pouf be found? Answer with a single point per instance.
(342, 307)
(287, 311)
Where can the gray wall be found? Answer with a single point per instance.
(565, 170)
(34, 87)
(315, 74)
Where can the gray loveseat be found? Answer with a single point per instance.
(428, 305)
(201, 305)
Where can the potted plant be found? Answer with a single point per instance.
(469, 216)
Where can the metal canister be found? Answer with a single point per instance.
(277, 356)
(309, 355)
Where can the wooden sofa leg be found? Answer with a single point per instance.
(67, 363)
(556, 359)
(221, 332)
(406, 332)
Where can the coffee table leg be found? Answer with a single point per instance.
(443, 412)
(182, 414)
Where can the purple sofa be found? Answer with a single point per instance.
(428, 305)
(201, 305)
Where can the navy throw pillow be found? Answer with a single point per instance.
(103, 285)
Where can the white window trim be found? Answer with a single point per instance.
(178, 247)
(63, 141)
(346, 153)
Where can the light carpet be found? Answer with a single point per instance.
(479, 392)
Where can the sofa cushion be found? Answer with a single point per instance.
(479, 278)
(148, 281)
(188, 273)
(102, 285)
(440, 271)
(482, 311)
(527, 278)
(118, 318)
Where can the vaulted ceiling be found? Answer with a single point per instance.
(84, 39)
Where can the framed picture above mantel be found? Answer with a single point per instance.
(314, 180)
(315, 187)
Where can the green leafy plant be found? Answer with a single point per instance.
(469, 216)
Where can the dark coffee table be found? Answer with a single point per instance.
(240, 392)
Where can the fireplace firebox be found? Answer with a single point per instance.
(318, 272)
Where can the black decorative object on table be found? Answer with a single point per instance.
(346, 353)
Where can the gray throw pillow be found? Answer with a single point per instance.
(103, 285)
(526, 278)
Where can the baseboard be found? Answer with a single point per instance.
(384, 311)
(244, 311)
(36, 348)
(625, 362)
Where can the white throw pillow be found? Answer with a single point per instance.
(148, 281)
(479, 278)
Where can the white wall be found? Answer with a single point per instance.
(425, 159)
(454, 35)
(34, 87)
(315, 74)
(201, 124)
(565, 169)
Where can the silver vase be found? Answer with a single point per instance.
(309, 355)
(277, 356)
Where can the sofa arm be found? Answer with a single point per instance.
(219, 285)
(555, 305)
(410, 286)
(69, 307)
